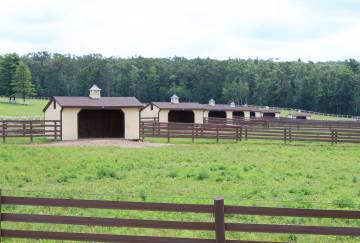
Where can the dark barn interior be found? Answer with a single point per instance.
(238, 114)
(181, 116)
(301, 117)
(269, 115)
(101, 124)
(218, 114)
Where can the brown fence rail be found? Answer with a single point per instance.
(283, 122)
(218, 210)
(30, 129)
(242, 132)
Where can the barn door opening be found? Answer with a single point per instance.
(101, 124)
(218, 114)
(181, 116)
(238, 114)
(269, 115)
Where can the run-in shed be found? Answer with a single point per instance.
(174, 111)
(95, 116)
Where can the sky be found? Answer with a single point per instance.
(316, 30)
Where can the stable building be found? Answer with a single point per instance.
(269, 113)
(174, 111)
(299, 115)
(230, 111)
(95, 116)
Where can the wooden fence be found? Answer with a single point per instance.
(30, 129)
(218, 210)
(283, 122)
(240, 132)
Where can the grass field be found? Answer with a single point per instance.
(32, 107)
(305, 175)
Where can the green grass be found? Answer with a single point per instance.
(304, 175)
(32, 107)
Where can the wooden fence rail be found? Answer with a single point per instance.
(283, 122)
(241, 132)
(218, 209)
(30, 129)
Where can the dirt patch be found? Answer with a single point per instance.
(101, 143)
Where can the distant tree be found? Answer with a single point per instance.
(236, 91)
(21, 84)
(8, 65)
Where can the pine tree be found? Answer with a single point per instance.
(21, 84)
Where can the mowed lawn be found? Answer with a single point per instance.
(32, 107)
(302, 175)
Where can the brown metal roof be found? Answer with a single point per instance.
(103, 102)
(225, 107)
(179, 106)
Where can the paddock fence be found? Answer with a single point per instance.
(283, 122)
(30, 129)
(243, 132)
(218, 225)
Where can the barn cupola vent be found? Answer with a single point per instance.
(175, 99)
(95, 92)
(232, 104)
(212, 102)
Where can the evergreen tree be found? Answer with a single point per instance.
(21, 84)
(8, 66)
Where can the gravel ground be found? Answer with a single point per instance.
(102, 142)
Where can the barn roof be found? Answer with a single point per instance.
(225, 107)
(103, 102)
(179, 106)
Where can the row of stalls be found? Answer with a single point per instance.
(94, 116)
(193, 112)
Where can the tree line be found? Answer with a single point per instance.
(332, 87)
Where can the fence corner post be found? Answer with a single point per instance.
(219, 215)
(285, 135)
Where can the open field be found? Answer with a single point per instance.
(305, 175)
(32, 107)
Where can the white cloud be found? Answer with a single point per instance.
(284, 29)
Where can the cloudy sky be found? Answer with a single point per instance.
(285, 29)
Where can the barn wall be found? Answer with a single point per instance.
(206, 114)
(198, 116)
(70, 123)
(51, 113)
(132, 125)
(247, 114)
(258, 114)
(163, 115)
(229, 114)
(147, 112)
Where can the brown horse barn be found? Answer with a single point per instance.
(95, 116)
(174, 111)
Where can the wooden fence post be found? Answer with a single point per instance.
(237, 134)
(24, 129)
(246, 134)
(219, 215)
(336, 136)
(168, 132)
(217, 133)
(290, 135)
(55, 129)
(332, 136)
(192, 133)
(4, 131)
(31, 132)
(285, 135)
(240, 133)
